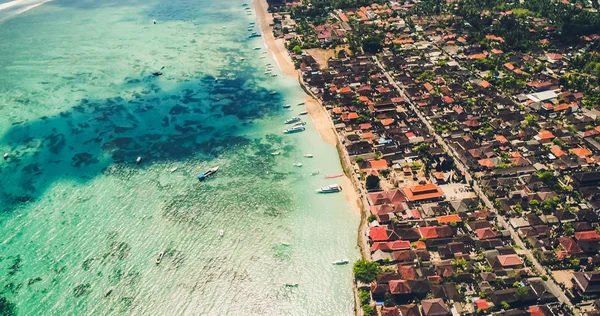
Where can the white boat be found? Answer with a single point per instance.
(210, 172)
(308, 155)
(315, 173)
(273, 92)
(5, 156)
(153, 21)
(303, 113)
(173, 169)
(138, 160)
(301, 123)
(285, 106)
(341, 262)
(293, 120)
(275, 153)
(221, 232)
(295, 129)
(285, 243)
(332, 188)
(160, 257)
(241, 58)
(298, 164)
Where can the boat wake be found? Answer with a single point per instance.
(13, 8)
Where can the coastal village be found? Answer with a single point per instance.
(472, 132)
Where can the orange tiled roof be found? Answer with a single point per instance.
(545, 134)
(581, 152)
(476, 56)
(378, 164)
(501, 139)
(556, 151)
(387, 121)
(453, 218)
(485, 84)
(486, 163)
(352, 115)
(423, 192)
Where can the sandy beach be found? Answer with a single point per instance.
(275, 46)
(316, 111)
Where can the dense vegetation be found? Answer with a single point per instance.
(366, 271)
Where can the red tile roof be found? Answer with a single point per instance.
(588, 235)
(482, 304)
(428, 232)
(509, 260)
(378, 233)
(485, 233)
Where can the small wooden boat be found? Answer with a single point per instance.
(160, 257)
(333, 176)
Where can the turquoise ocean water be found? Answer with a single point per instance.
(82, 223)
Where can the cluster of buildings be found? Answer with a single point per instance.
(481, 165)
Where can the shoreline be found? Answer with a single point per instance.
(352, 188)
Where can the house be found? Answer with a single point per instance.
(423, 192)
(586, 282)
(589, 241)
(434, 307)
(586, 179)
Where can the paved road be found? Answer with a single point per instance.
(459, 164)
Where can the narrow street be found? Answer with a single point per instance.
(538, 267)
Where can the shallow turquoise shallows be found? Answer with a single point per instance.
(82, 224)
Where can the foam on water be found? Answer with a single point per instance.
(82, 223)
(16, 7)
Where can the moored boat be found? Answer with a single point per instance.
(291, 284)
(308, 155)
(210, 172)
(293, 120)
(332, 188)
(315, 173)
(298, 164)
(303, 113)
(285, 106)
(160, 257)
(334, 176)
(294, 129)
(341, 262)
(301, 123)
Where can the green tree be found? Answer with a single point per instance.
(531, 119)
(367, 309)
(364, 296)
(372, 182)
(521, 292)
(366, 271)
(504, 305)
(372, 44)
(297, 50)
